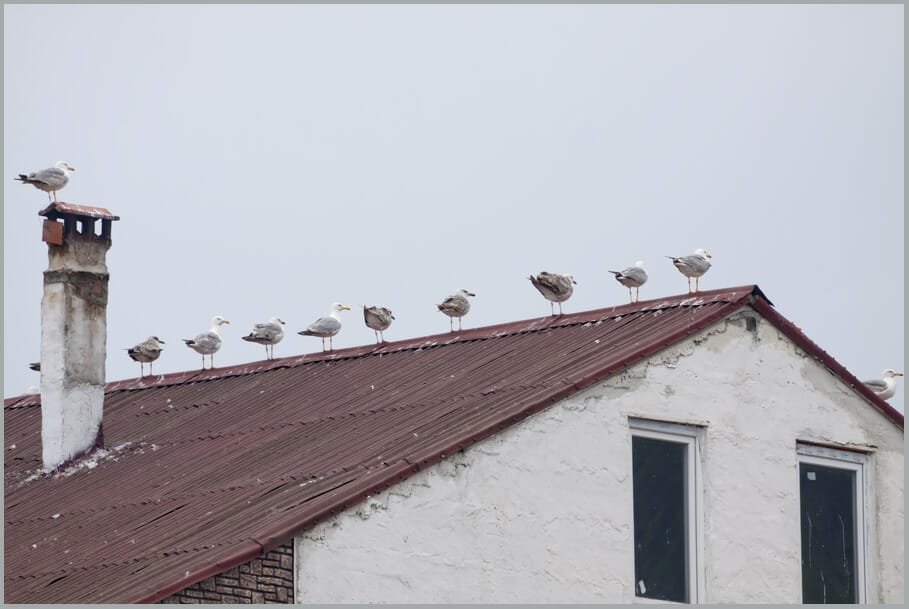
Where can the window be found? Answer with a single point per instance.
(665, 472)
(831, 491)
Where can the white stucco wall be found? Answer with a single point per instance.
(542, 512)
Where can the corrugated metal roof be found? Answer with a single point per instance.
(204, 470)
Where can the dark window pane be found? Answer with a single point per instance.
(660, 514)
(828, 534)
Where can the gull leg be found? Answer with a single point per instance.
(697, 286)
(630, 299)
(689, 285)
(212, 358)
(150, 368)
(560, 309)
(459, 324)
(331, 343)
(637, 292)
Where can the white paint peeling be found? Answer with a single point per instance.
(542, 512)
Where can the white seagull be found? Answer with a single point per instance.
(378, 319)
(554, 288)
(146, 352)
(326, 327)
(456, 305)
(632, 277)
(209, 342)
(268, 333)
(693, 266)
(884, 388)
(49, 180)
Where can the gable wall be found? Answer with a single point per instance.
(542, 512)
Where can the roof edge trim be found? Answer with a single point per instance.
(249, 551)
(798, 337)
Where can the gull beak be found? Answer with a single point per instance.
(897, 374)
(162, 342)
(471, 294)
(345, 308)
(71, 168)
(226, 321)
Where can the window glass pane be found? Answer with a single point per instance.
(828, 534)
(660, 514)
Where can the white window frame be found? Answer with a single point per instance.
(691, 437)
(851, 461)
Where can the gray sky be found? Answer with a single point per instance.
(272, 160)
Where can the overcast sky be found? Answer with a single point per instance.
(270, 160)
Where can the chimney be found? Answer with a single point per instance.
(73, 331)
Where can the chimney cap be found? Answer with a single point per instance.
(59, 209)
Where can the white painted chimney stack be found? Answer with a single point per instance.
(73, 331)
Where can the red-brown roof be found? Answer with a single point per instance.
(60, 208)
(204, 470)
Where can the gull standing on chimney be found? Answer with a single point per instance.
(49, 180)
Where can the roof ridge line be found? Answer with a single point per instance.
(530, 325)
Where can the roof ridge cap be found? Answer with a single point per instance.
(512, 328)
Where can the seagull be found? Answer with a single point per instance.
(632, 277)
(208, 342)
(456, 305)
(146, 352)
(49, 180)
(326, 327)
(268, 333)
(554, 287)
(377, 318)
(884, 388)
(693, 266)
(36, 366)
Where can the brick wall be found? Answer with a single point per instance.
(266, 579)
